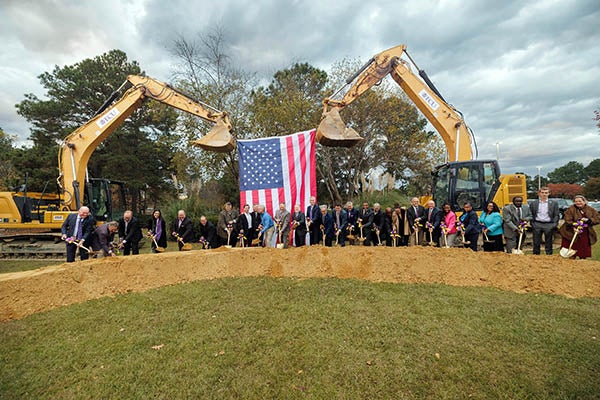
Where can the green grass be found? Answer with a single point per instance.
(266, 338)
(24, 265)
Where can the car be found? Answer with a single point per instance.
(595, 204)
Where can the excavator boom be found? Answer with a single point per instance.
(448, 121)
(78, 147)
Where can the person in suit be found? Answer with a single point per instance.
(245, 226)
(183, 228)
(80, 227)
(415, 214)
(340, 220)
(227, 225)
(313, 221)
(103, 236)
(544, 220)
(471, 226)
(282, 225)
(130, 233)
(513, 215)
(326, 226)
(379, 226)
(352, 218)
(208, 234)
(365, 220)
(433, 216)
(157, 227)
(299, 226)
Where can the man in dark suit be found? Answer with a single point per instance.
(208, 233)
(365, 220)
(351, 228)
(183, 228)
(299, 226)
(432, 215)
(80, 227)
(415, 213)
(512, 215)
(245, 225)
(130, 233)
(340, 219)
(545, 217)
(326, 226)
(256, 219)
(313, 221)
(379, 226)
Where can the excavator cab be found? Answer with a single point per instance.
(333, 132)
(218, 139)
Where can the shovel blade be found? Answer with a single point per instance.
(567, 253)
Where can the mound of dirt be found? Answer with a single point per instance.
(28, 292)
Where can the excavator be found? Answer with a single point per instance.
(463, 177)
(31, 221)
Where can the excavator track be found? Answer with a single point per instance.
(32, 245)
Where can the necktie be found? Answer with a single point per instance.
(126, 223)
(416, 211)
(79, 228)
(429, 216)
(337, 218)
(519, 212)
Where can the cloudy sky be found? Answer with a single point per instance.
(526, 74)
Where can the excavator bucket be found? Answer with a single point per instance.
(333, 132)
(217, 139)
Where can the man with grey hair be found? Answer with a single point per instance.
(130, 233)
(78, 228)
(183, 229)
(326, 226)
(282, 222)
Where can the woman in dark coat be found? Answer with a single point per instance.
(471, 227)
(158, 227)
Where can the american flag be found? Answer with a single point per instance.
(278, 170)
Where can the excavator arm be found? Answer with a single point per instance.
(447, 120)
(78, 147)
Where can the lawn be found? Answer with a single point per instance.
(267, 338)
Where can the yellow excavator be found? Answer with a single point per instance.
(462, 178)
(29, 221)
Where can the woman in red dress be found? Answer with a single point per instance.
(582, 218)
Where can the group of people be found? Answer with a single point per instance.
(80, 232)
(392, 226)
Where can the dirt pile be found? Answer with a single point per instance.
(28, 292)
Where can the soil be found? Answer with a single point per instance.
(28, 292)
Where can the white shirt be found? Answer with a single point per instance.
(542, 213)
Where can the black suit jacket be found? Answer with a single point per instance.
(367, 218)
(410, 213)
(134, 230)
(162, 240)
(68, 227)
(208, 232)
(300, 218)
(102, 237)
(245, 226)
(314, 213)
(185, 231)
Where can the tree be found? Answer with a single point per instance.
(395, 141)
(571, 172)
(8, 173)
(138, 152)
(206, 71)
(592, 188)
(593, 169)
(564, 190)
